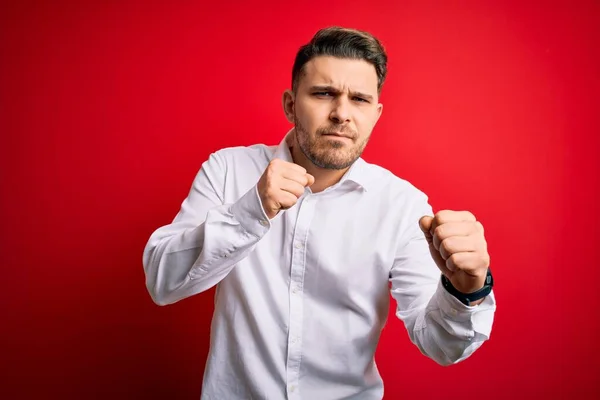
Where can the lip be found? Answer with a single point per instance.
(337, 134)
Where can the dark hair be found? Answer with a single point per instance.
(341, 42)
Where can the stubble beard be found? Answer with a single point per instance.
(329, 154)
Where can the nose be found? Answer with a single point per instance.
(340, 113)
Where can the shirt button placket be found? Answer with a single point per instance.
(305, 213)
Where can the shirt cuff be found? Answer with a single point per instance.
(479, 317)
(249, 212)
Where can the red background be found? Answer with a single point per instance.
(107, 111)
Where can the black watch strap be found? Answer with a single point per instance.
(468, 298)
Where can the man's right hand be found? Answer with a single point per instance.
(281, 185)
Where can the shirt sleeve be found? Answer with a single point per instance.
(205, 240)
(442, 327)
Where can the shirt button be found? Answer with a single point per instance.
(294, 290)
(264, 222)
(298, 245)
(292, 388)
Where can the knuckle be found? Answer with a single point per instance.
(269, 172)
(447, 244)
(282, 200)
(485, 259)
(439, 232)
(454, 259)
(479, 226)
(442, 216)
(274, 165)
(290, 200)
(450, 261)
(298, 190)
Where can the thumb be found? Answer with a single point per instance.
(311, 179)
(425, 225)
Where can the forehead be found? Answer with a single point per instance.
(343, 73)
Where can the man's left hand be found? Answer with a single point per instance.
(458, 247)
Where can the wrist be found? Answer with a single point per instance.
(468, 284)
(470, 298)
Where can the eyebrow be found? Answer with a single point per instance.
(331, 89)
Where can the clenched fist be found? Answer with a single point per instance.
(458, 247)
(281, 185)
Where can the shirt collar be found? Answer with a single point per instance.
(357, 173)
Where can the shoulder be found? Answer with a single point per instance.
(388, 185)
(241, 156)
(398, 201)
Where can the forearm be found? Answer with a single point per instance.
(181, 259)
(447, 331)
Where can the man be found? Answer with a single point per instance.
(306, 241)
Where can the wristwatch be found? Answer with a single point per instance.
(468, 298)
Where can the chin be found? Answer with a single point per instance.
(332, 159)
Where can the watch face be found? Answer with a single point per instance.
(489, 280)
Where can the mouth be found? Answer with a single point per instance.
(338, 135)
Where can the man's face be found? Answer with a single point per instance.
(335, 109)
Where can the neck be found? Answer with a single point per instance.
(324, 178)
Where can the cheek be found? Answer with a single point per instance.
(315, 108)
(311, 118)
(361, 124)
(365, 121)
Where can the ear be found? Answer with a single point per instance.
(287, 101)
(379, 111)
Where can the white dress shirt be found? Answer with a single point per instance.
(301, 299)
